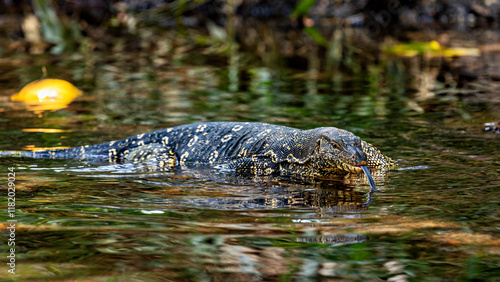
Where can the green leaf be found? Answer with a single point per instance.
(302, 8)
(316, 35)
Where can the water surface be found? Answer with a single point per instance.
(436, 218)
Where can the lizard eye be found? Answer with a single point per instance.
(335, 146)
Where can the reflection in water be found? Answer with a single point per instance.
(327, 198)
(334, 239)
(492, 126)
(260, 192)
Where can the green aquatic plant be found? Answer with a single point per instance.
(62, 32)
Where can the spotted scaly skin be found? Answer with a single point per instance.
(248, 148)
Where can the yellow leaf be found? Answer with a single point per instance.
(461, 52)
(434, 45)
(430, 49)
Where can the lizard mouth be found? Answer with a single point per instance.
(354, 168)
(357, 167)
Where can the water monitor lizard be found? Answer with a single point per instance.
(248, 148)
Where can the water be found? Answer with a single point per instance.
(435, 218)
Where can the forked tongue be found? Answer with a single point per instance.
(369, 176)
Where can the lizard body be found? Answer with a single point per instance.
(248, 148)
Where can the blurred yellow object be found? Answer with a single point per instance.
(430, 49)
(461, 52)
(413, 49)
(45, 130)
(33, 148)
(434, 45)
(47, 95)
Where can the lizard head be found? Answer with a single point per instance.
(340, 151)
